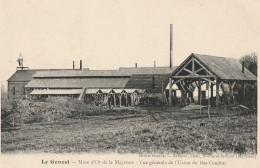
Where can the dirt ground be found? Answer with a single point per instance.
(138, 130)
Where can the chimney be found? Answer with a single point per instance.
(243, 67)
(80, 65)
(73, 65)
(136, 65)
(154, 63)
(171, 34)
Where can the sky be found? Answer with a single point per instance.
(109, 34)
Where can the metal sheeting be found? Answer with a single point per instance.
(57, 92)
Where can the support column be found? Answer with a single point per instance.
(126, 102)
(211, 90)
(244, 91)
(170, 91)
(114, 95)
(131, 96)
(120, 100)
(217, 92)
(199, 91)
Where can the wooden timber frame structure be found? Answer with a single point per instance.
(117, 97)
(194, 70)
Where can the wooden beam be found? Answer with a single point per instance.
(120, 99)
(198, 70)
(183, 67)
(203, 66)
(233, 84)
(188, 71)
(193, 65)
(114, 95)
(244, 91)
(200, 76)
(187, 85)
(177, 81)
(182, 86)
(208, 80)
(189, 89)
(199, 91)
(211, 89)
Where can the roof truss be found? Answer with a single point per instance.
(193, 69)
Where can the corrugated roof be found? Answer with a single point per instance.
(56, 92)
(225, 68)
(146, 82)
(148, 70)
(81, 73)
(78, 83)
(27, 75)
(105, 73)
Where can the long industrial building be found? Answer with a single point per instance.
(134, 85)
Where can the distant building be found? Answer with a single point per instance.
(16, 83)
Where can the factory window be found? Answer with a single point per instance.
(13, 90)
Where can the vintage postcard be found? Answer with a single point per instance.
(129, 83)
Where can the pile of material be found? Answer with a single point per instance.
(192, 107)
(21, 112)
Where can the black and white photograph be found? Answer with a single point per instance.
(169, 83)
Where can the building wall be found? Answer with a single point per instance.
(16, 89)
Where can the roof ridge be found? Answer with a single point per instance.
(214, 56)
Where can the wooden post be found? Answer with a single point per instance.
(217, 92)
(126, 103)
(162, 94)
(208, 100)
(131, 101)
(120, 100)
(170, 91)
(244, 91)
(211, 89)
(114, 95)
(199, 91)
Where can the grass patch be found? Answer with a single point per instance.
(135, 130)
